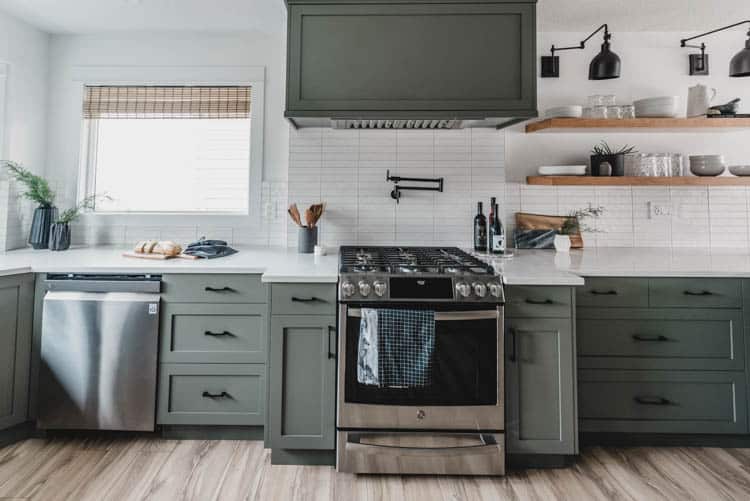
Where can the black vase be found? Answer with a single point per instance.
(608, 165)
(40, 225)
(59, 236)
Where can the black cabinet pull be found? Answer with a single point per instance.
(512, 356)
(638, 337)
(700, 293)
(305, 299)
(331, 354)
(218, 334)
(534, 301)
(603, 293)
(653, 401)
(223, 394)
(208, 288)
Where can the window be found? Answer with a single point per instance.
(168, 149)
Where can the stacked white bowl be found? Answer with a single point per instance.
(707, 165)
(657, 107)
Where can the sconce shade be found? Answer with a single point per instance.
(739, 66)
(605, 65)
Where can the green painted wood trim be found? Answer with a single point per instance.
(191, 288)
(303, 457)
(212, 432)
(538, 302)
(692, 293)
(282, 302)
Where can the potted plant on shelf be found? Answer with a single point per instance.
(59, 233)
(37, 190)
(576, 224)
(608, 162)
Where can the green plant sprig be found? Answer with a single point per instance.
(70, 215)
(37, 188)
(576, 221)
(604, 149)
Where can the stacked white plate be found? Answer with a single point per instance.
(657, 107)
(562, 170)
(571, 111)
(707, 165)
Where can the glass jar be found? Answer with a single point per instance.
(614, 112)
(609, 100)
(628, 111)
(599, 112)
(595, 100)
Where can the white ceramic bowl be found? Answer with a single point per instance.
(572, 111)
(740, 170)
(667, 107)
(707, 170)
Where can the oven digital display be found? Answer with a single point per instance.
(421, 288)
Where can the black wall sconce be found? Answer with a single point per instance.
(739, 66)
(604, 66)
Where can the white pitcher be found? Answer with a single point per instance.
(699, 100)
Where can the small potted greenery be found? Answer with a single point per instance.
(574, 225)
(59, 233)
(606, 161)
(37, 190)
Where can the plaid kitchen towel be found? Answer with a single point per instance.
(405, 344)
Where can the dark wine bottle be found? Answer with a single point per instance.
(497, 244)
(489, 224)
(480, 230)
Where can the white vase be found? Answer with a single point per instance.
(562, 243)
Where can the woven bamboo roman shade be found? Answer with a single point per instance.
(101, 102)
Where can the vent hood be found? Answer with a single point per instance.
(410, 64)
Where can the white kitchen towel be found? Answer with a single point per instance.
(367, 359)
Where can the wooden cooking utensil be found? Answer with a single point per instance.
(294, 214)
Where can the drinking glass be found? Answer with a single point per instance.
(599, 112)
(628, 111)
(609, 100)
(614, 112)
(595, 100)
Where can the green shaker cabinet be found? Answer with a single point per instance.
(303, 382)
(540, 368)
(16, 310)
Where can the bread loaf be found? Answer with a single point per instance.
(168, 248)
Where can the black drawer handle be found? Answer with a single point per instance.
(603, 293)
(650, 339)
(223, 394)
(700, 293)
(218, 334)
(653, 401)
(331, 330)
(305, 299)
(208, 288)
(537, 302)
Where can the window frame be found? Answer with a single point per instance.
(252, 76)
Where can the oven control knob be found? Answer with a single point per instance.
(347, 289)
(495, 289)
(364, 288)
(480, 290)
(463, 289)
(379, 287)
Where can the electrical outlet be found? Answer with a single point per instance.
(657, 210)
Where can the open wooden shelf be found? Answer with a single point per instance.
(637, 181)
(700, 124)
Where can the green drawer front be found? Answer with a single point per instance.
(213, 333)
(695, 293)
(613, 292)
(538, 302)
(662, 402)
(699, 339)
(303, 299)
(207, 394)
(214, 288)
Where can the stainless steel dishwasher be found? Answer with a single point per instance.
(99, 352)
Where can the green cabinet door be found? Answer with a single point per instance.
(408, 57)
(16, 306)
(302, 382)
(540, 387)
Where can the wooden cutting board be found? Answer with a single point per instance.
(525, 221)
(157, 257)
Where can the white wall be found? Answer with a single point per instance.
(166, 49)
(24, 50)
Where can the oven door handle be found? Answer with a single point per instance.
(446, 316)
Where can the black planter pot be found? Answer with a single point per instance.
(59, 236)
(40, 225)
(608, 165)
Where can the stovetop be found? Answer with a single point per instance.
(416, 274)
(411, 260)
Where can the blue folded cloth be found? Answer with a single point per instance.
(396, 348)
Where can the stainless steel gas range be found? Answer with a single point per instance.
(420, 369)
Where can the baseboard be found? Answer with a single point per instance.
(16, 433)
(663, 440)
(212, 432)
(300, 457)
(525, 461)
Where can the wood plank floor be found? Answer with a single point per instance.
(139, 468)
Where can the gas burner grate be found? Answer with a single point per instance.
(410, 260)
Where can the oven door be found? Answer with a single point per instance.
(466, 385)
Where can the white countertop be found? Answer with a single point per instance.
(527, 267)
(275, 264)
